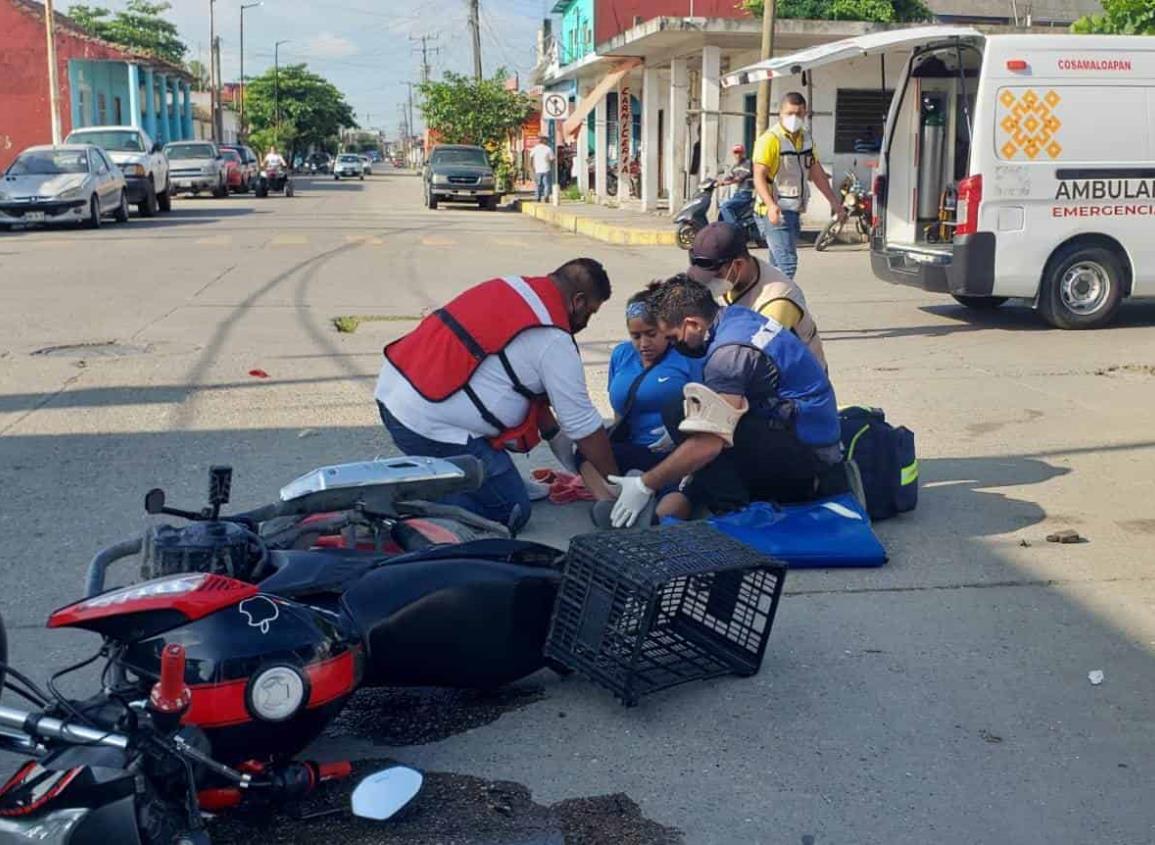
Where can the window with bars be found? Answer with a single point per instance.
(859, 118)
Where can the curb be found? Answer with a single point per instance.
(599, 230)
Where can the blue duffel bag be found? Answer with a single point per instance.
(825, 533)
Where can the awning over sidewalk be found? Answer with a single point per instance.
(847, 48)
(604, 86)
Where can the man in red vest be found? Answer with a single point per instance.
(480, 376)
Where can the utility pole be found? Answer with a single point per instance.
(425, 51)
(218, 116)
(770, 7)
(475, 27)
(53, 92)
(277, 87)
(244, 129)
(214, 94)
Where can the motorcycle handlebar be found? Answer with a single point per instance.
(46, 727)
(94, 580)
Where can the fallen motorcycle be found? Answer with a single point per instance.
(278, 637)
(130, 769)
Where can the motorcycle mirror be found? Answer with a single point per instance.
(154, 501)
(382, 794)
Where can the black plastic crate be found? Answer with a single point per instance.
(640, 611)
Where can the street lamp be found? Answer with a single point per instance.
(243, 7)
(214, 94)
(277, 85)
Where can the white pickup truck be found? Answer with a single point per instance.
(140, 159)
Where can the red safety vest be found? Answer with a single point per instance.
(440, 356)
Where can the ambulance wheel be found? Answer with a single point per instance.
(1082, 287)
(980, 303)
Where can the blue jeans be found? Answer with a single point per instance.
(783, 240)
(730, 210)
(502, 498)
(544, 186)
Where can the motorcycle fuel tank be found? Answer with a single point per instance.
(266, 674)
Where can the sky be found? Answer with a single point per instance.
(363, 47)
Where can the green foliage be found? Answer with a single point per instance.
(312, 110)
(140, 26)
(572, 192)
(200, 75)
(1120, 17)
(462, 110)
(876, 11)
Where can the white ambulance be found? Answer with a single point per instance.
(1012, 166)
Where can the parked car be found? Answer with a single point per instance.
(140, 159)
(234, 173)
(250, 166)
(70, 183)
(459, 173)
(196, 166)
(349, 165)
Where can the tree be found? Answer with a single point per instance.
(876, 11)
(1120, 17)
(200, 74)
(140, 26)
(464, 110)
(312, 110)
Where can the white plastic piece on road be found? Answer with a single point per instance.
(1095, 676)
(383, 793)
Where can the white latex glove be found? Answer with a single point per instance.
(665, 443)
(631, 501)
(563, 449)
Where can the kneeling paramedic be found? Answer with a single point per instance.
(479, 375)
(762, 425)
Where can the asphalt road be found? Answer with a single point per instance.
(942, 698)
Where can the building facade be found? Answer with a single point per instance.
(100, 84)
(650, 116)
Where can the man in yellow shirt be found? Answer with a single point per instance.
(720, 260)
(784, 164)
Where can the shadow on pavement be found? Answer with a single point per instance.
(1133, 314)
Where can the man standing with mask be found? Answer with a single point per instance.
(784, 164)
(480, 375)
(762, 424)
(720, 260)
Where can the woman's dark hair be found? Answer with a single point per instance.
(641, 304)
(679, 297)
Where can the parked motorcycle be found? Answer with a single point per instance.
(693, 217)
(858, 204)
(278, 636)
(124, 766)
(275, 179)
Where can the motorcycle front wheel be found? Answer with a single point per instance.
(686, 233)
(828, 235)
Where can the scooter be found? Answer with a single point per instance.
(278, 637)
(858, 205)
(693, 217)
(120, 768)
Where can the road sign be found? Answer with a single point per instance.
(554, 106)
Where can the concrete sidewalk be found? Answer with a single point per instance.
(612, 225)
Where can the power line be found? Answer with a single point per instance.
(425, 51)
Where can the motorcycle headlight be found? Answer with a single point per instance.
(276, 693)
(134, 170)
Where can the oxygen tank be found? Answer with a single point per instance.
(932, 139)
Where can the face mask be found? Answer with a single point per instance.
(689, 351)
(792, 123)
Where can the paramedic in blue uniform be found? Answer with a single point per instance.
(761, 425)
(495, 371)
(646, 373)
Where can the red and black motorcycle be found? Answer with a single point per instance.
(274, 638)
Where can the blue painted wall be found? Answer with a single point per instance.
(576, 35)
(100, 94)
